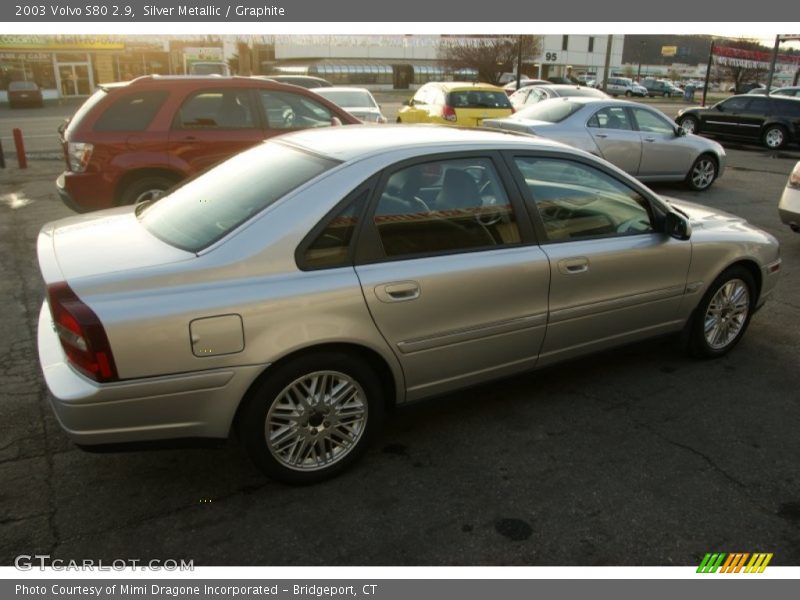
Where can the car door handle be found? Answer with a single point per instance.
(573, 266)
(399, 291)
(649, 139)
(601, 135)
(189, 138)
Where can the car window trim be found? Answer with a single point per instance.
(657, 208)
(369, 249)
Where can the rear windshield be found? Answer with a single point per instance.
(348, 98)
(210, 206)
(87, 106)
(478, 99)
(550, 111)
(581, 91)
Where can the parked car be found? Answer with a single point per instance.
(564, 81)
(131, 141)
(624, 86)
(792, 91)
(744, 88)
(771, 120)
(511, 87)
(24, 93)
(306, 81)
(537, 93)
(209, 68)
(301, 288)
(661, 87)
(359, 102)
(638, 139)
(455, 103)
(789, 205)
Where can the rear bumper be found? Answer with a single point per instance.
(83, 192)
(189, 405)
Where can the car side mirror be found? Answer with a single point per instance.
(678, 227)
(335, 121)
(408, 102)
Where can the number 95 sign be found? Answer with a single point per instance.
(550, 56)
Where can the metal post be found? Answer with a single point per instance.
(609, 41)
(19, 144)
(519, 61)
(772, 64)
(2, 156)
(708, 71)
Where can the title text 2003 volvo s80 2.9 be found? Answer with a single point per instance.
(298, 290)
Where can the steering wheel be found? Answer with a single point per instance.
(419, 204)
(288, 117)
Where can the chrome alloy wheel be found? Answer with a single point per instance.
(316, 421)
(726, 314)
(703, 173)
(148, 195)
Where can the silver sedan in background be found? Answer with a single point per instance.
(789, 205)
(638, 139)
(536, 93)
(301, 288)
(359, 102)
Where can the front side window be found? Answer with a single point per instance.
(613, 117)
(216, 109)
(733, 104)
(652, 123)
(132, 112)
(444, 206)
(210, 206)
(286, 110)
(576, 201)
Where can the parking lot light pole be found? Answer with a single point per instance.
(708, 71)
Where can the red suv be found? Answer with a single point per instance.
(131, 141)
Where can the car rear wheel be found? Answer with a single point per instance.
(150, 187)
(703, 173)
(689, 124)
(723, 314)
(628, 93)
(774, 137)
(311, 418)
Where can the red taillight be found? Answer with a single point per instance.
(81, 334)
(449, 113)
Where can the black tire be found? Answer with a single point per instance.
(666, 94)
(775, 137)
(699, 345)
(145, 188)
(628, 93)
(703, 173)
(690, 122)
(398, 120)
(324, 433)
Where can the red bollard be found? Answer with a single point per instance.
(20, 146)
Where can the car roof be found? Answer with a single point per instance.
(457, 86)
(361, 141)
(340, 88)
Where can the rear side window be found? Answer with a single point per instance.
(131, 112)
(478, 99)
(331, 248)
(207, 208)
(790, 108)
(759, 106)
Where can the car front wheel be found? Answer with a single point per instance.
(723, 314)
(774, 137)
(311, 418)
(688, 124)
(703, 173)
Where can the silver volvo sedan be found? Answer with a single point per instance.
(298, 290)
(637, 138)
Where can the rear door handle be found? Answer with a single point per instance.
(573, 266)
(398, 291)
(601, 135)
(649, 139)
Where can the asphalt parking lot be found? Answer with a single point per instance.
(640, 456)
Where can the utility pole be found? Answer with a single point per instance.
(772, 64)
(609, 40)
(708, 71)
(519, 60)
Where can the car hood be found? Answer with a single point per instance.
(702, 216)
(99, 243)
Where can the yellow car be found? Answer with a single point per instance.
(457, 103)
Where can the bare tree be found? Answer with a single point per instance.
(491, 56)
(740, 75)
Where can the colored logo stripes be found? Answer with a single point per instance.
(734, 563)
